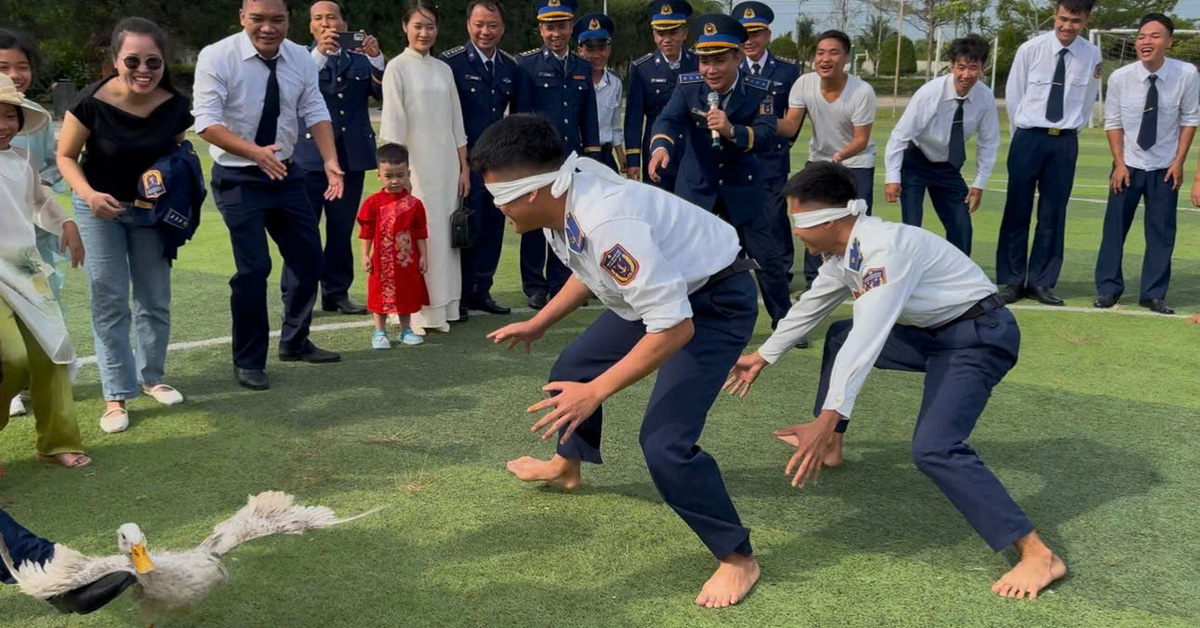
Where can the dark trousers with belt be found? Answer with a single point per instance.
(254, 206)
(340, 217)
(541, 271)
(760, 242)
(685, 475)
(1161, 204)
(781, 223)
(1045, 163)
(23, 545)
(480, 260)
(864, 183)
(947, 191)
(962, 363)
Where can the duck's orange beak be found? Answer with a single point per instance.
(141, 559)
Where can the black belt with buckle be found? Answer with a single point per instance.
(1052, 131)
(983, 306)
(740, 265)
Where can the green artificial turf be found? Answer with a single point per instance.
(1094, 432)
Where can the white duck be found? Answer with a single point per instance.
(172, 583)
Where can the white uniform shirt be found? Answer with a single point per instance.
(231, 84)
(927, 121)
(1178, 106)
(608, 109)
(833, 122)
(1031, 76)
(641, 250)
(897, 274)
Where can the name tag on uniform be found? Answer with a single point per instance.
(471, 77)
(545, 74)
(579, 77)
(696, 111)
(506, 80)
(658, 80)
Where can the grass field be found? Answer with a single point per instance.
(1094, 433)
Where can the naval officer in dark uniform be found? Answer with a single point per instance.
(556, 83)
(652, 80)
(486, 78)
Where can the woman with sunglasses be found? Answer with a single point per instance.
(123, 124)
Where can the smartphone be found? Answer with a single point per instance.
(351, 41)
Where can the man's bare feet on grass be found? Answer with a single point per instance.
(557, 471)
(1036, 569)
(833, 455)
(730, 583)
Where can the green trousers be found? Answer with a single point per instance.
(26, 366)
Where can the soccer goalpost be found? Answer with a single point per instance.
(1117, 48)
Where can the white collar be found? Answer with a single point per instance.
(483, 56)
(761, 63)
(1162, 73)
(950, 93)
(248, 51)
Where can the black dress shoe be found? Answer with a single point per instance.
(311, 354)
(1045, 295)
(489, 305)
(803, 343)
(1106, 301)
(538, 301)
(1010, 293)
(254, 379)
(345, 306)
(92, 597)
(1157, 306)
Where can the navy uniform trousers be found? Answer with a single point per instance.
(340, 217)
(480, 260)
(947, 191)
(759, 242)
(781, 226)
(1046, 162)
(1161, 204)
(23, 545)
(254, 206)
(686, 477)
(536, 256)
(864, 184)
(962, 363)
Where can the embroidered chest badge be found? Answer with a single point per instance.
(855, 256)
(873, 278)
(575, 238)
(152, 184)
(621, 264)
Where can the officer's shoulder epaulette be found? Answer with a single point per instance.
(759, 82)
(644, 58)
(454, 52)
(786, 60)
(508, 56)
(690, 77)
(529, 53)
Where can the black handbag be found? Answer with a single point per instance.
(462, 227)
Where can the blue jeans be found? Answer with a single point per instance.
(120, 252)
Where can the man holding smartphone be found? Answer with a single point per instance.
(351, 71)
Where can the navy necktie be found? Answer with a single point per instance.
(958, 142)
(1147, 134)
(487, 65)
(1054, 107)
(757, 70)
(265, 135)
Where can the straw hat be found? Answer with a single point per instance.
(35, 116)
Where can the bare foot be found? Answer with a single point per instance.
(833, 455)
(730, 583)
(557, 471)
(1037, 568)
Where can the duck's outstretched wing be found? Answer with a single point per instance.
(267, 514)
(68, 570)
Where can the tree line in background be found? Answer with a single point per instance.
(73, 34)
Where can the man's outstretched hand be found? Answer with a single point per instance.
(526, 332)
(814, 438)
(743, 374)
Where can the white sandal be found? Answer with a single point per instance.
(115, 420)
(163, 394)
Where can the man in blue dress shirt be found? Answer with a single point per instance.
(348, 79)
(652, 80)
(486, 79)
(556, 83)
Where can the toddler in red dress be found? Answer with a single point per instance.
(393, 234)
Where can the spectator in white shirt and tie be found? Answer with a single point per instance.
(1151, 113)
(928, 147)
(250, 91)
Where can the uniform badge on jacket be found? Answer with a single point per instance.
(621, 264)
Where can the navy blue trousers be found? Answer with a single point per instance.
(947, 191)
(23, 545)
(479, 262)
(864, 182)
(759, 242)
(253, 206)
(340, 217)
(541, 270)
(781, 223)
(1036, 160)
(962, 364)
(1161, 205)
(686, 477)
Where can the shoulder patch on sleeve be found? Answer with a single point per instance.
(691, 77)
(621, 264)
(874, 277)
(758, 82)
(786, 60)
(644, 58)
(453, 51)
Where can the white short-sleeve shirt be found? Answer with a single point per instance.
(833, 122)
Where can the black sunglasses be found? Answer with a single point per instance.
(152, 63)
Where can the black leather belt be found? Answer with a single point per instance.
(606, 148)
(739, 265)
(983, 306)
(1051, 131)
